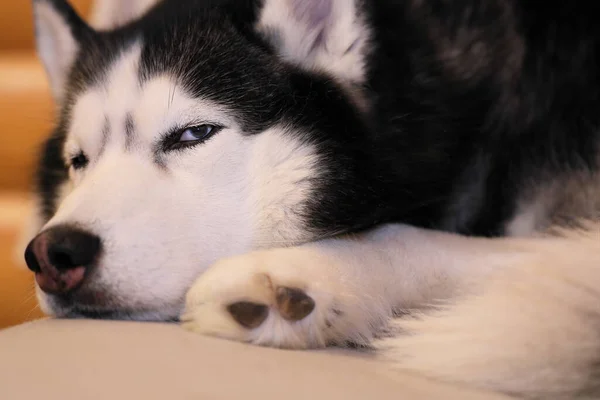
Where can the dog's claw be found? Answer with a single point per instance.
(249, 315)
(294, 304)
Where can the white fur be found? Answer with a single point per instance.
(339, 31)
(366, 277)
(524, 320)
(531, 330)
(224, 197)
(526, 222)
(56, 47)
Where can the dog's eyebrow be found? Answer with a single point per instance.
(129, 131)
(105, 135)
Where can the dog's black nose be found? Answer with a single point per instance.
(61, 256)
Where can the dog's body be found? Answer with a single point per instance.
(253, 132)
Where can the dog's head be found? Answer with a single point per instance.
(202, 130)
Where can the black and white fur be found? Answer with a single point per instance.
(352, 135)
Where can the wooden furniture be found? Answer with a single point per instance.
(26, 108)
(17, 296)
(26, 115)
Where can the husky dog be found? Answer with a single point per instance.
(295, 173)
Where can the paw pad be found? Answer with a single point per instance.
(292, 304)
(249, 315)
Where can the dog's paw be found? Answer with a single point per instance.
(286, 298)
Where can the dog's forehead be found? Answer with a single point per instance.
(124, 109)
(155, 73)
(104, 108)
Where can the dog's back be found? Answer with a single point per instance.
(487, 112)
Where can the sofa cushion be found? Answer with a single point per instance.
(81, 359)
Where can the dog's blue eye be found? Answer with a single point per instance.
(196, 133)
(190, 136)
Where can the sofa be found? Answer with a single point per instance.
(73, 360)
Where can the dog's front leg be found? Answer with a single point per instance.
(335, 291)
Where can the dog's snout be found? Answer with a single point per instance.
(61, 256)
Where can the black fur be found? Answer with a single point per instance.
(472, 103)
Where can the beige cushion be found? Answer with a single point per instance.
(68, 360)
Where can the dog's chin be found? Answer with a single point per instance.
(117, 315)
(61, 309)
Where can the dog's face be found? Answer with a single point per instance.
(185, 137)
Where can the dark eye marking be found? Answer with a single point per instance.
(190, 136)
(79, 161)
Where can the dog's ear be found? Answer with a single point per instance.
(109, 14)
(329, 35)
(58, 32)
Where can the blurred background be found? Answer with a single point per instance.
(26, 114)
